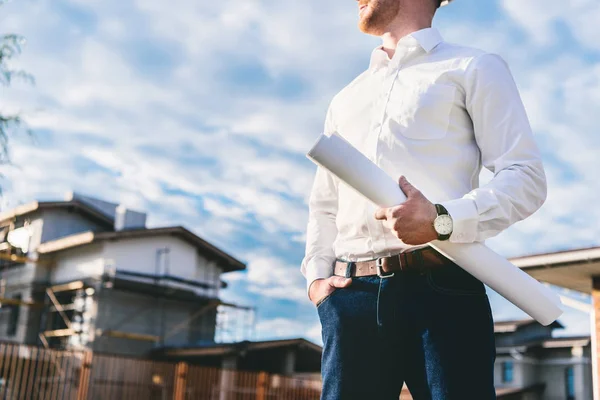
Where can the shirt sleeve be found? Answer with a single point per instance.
(508, 150)
(322, 229)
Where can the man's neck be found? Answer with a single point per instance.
(400, 28)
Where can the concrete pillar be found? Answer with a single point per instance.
(227, 386)
(289, 362)
(579, 372)
(595, 330)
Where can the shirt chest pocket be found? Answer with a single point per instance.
(421, 113)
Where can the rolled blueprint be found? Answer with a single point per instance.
(357, 171)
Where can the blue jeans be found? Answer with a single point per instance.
(432, 330)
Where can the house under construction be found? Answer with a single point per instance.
(85, 273)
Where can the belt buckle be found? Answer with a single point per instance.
(380, 273)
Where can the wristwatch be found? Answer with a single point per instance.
(443, 223)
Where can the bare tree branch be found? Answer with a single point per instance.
(11, 46)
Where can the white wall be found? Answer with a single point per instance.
(183, 261)
(207, 271)
(550, 371)
(527, 372)
(139, 255)
(78, 263)
(59, 223)
(36, 225)
(553, 374)
(524, 372)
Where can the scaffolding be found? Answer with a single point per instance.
(67, 320)
(67, 311)
(210, 319)
(8, 258)
(235, 323)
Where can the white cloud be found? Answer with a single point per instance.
(280, 328)
(222, 154)
(540, 19)
(274, 278)
(536, 17)
(90, 88)
(221, 210)
(314, 334)
(562, 98)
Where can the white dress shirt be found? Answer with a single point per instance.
(436, 113)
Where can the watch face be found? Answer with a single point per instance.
(443, 225)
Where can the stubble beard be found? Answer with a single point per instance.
(378, 16)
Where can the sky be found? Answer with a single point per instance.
(200, 113)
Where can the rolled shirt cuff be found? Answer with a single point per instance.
(465, 220)
(317, 269)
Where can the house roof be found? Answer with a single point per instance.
(234, 348)
(510, 392)
(565, 342)
(572, 269)
(512, 325)
(79, 206)
(86, 238)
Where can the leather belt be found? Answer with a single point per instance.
(416, 261)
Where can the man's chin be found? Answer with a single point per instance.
(369, 29)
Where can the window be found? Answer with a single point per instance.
(507, 371)
(570, 383)
(13, 320)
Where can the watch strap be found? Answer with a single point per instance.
(441, 210)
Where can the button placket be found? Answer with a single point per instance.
(375, 226)
(381, 246)
(375, 125)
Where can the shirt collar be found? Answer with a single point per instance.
(427, 39)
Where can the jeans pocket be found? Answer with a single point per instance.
(326, 298)
(453, 280)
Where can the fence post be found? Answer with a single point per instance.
(180, 384)
(261, 387)
(84, 376)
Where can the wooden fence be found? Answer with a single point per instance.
(28, 372)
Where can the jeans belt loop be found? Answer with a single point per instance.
(420, 259)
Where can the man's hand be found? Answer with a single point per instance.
(322, 288)
(412, 221)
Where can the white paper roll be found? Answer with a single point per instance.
(352, 167)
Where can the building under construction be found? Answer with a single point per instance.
(85, 273)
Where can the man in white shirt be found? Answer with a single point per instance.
(392, 309)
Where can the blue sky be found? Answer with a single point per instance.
(200, 113)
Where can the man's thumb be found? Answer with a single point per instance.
(340, 282)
